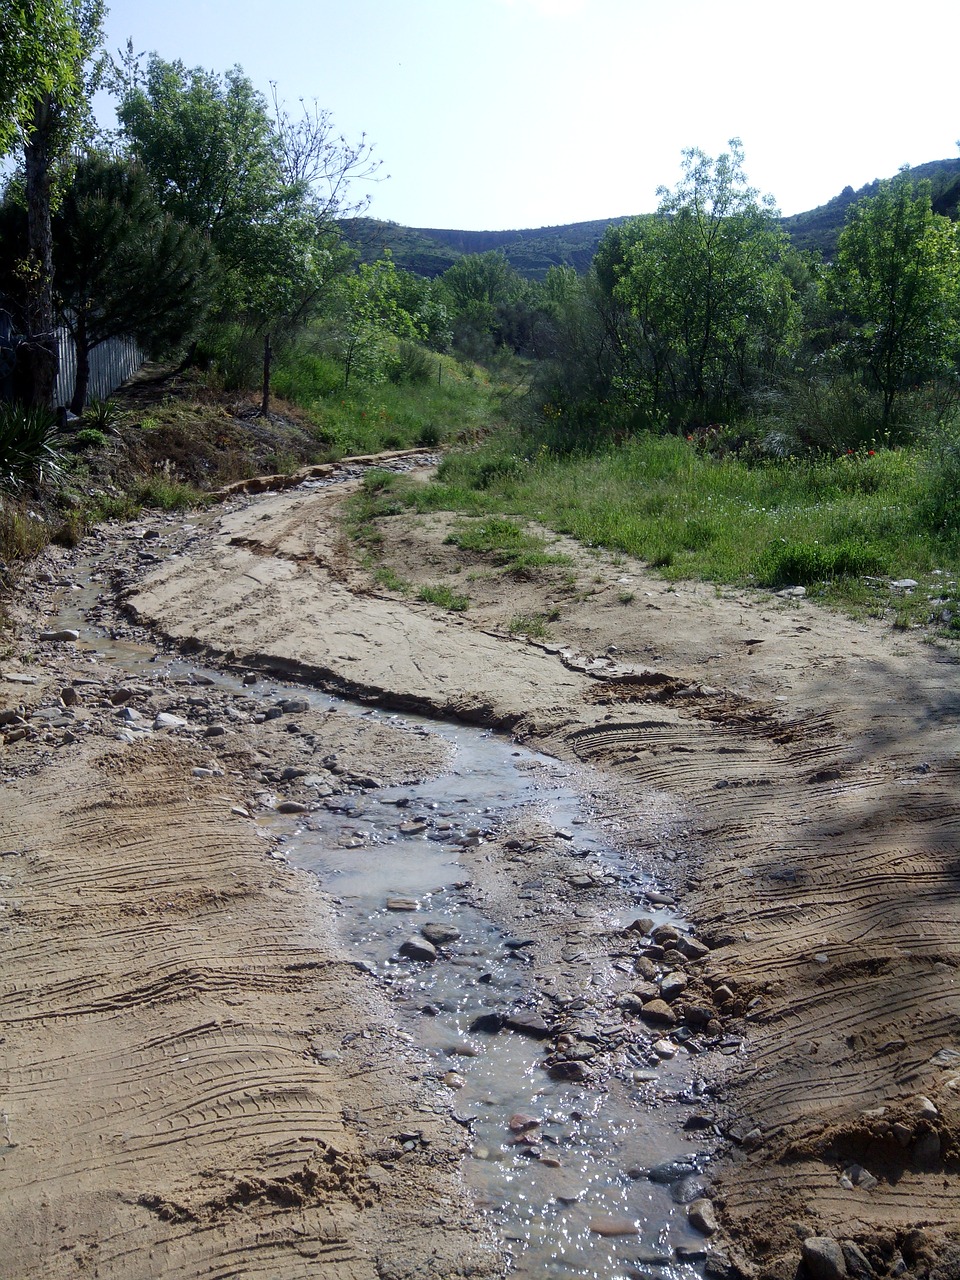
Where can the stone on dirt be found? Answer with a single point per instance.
(824, 1258)
(165, 720)
(659, 1012)
(701, 1216)
(527, 1023)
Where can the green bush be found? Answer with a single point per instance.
(411, 364)
(102, 415)
(89, 438)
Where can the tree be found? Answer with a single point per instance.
(896, 278)
(45, 49)
(368, 307)
(265, 189)
(123, 266)
(481, 288)
(705, 281)
(208, 149)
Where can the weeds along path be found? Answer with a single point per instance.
(817, 760)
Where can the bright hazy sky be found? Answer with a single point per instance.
(494, 114)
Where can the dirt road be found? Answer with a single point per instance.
(809, 768)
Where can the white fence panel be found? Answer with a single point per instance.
(110, 364)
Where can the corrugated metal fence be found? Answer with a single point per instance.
(110, 364)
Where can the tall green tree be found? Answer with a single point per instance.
(705, 281)
(124, 268)
(266, 189)
(367, 309)
(896, 281)
(206, 145)
(47, 71)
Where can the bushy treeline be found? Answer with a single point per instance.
(702, 319)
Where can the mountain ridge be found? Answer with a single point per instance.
(532, 251)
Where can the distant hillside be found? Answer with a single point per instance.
(429, 251)
(819, 228)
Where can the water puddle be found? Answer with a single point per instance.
(559, 1167)
(551, 1161)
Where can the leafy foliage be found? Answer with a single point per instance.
(704, 281)
(219, 163)
(895, 283)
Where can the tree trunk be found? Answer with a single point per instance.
(82, 381)
(267, 359)
(41, 341)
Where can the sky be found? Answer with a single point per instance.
(503, 114)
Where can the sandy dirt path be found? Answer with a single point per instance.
(197, 1081)
(817, 761)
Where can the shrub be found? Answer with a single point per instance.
(89, 438)
(102, 415)
(30, 446)
(411, 364)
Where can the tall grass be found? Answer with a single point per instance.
(425, 411)
(819, 522)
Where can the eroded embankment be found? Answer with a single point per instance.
(817, 760)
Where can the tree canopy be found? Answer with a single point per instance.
(704, 280)
(895, 281)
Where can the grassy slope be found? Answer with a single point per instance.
(843, 528)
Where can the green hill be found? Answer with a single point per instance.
(819, 228)
(429, 251)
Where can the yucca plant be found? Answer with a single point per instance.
(30, 446)
(102, 415)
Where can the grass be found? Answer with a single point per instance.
(388, 578)
(166, 493)
(830, 524)
(533, 625)
(444, 597)
(359, 419)
(23, 534)
(511, 547)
